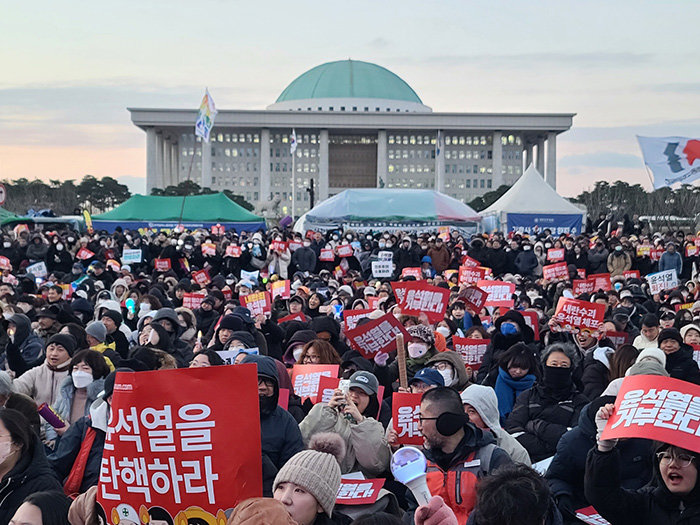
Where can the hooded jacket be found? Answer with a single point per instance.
(596, 371)
(457, 364)
(488, 371)
(64, 402)
(26, 343)
(681, 365)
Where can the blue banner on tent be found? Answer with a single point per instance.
(537, 222)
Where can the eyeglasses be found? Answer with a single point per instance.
(265, 382)
(312, 358)
(681, 460)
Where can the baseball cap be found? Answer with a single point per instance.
(429, 376)
(365, 381)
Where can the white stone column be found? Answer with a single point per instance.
(322, 193)
(381, 157)
(167, 156)
(151, 176)
(206, 164)
(440, 162)
(530, 155)
(264, 165)
(174, 164)
(497, 160)
(551, 169)
(159, 160)
(540, 155)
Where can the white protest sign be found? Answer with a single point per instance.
(131, 256)
(660, 281)
(385, 256)
(38, 269)
(230, 355)
(382, 268)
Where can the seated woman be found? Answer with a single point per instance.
(206, 358)
(319, 352)
(352, 415)
(517, 372)
(544, 413)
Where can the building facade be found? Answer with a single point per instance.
(357, 126)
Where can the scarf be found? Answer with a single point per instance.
(417, 363)
(508, 389)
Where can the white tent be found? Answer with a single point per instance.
(532, 205)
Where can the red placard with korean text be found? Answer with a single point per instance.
(292, 317)
(359, 491)
(556, 272)
(233, 251)
(469, 262)
(162, 265)
(178, 452)
(281, 289)
(344, 250)
(326, 255)
(631, 274)
(412, 272)
(208, 248)
(618, 338)
(201, 277)
(278, 246)
(84, 254)
(327, 385)
(405, 409)
(471, 274)
(294, 245)
(590, 516)
(283, 400)
(419, 297)
(352, 317)
(305, 379)
(258, 303)
(5, 263)
(659, 409)
(471, 350)
(581, 286)
(193, 300)
(533, 321)
(656, 254)
(376, 336)
(581, 273)
(555, 254)
(373, 302)
(474, 298)
(500, 293)
(576, 316)
(601, 282)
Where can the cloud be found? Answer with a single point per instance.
(601, 159)
(675, 87)
(527, 60)
(378, 43)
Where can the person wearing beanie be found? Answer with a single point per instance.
(317, 472)
(652, 353)
(679, 356)
(510, 328)
(23, 350)
(96, 335)
(227, 325)
(420, 349)
(691, 334)
(352, 415)
(42, 383)
(112, 319)
(206, 315)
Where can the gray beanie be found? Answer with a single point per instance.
(648, 367)
(98, 330)
(317, 470)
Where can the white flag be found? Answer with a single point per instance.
(671, 159)
(293, 142)
(205, 118)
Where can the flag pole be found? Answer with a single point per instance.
(189, 173)
(294, 184)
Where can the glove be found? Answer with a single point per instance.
(435, 513)
(381, 358)
(604, 445)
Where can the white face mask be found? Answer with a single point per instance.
(526, 248)
(296, 353)
(59, 247)
(145, 307)
(5, 450)
(307, 243)
(6, 244)
(443, 330)
(447, 376)
(81, 379)
(416, 350)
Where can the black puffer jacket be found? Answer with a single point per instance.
(681, 365)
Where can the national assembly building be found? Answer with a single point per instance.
(358, 125)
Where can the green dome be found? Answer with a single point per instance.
(349, 79)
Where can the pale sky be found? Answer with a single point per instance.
(70, 69)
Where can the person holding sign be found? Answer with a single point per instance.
(420, 349)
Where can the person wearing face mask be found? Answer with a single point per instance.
(304, 258)
(37, 249)
(619, 261)
(544, 413)
(451, 367)
(510, 328)
(517, 372)
(79, 390)
(526, 261)
(23, 342)
(206, 315)
(278, 258)
(420, 348)
(598, 258)
(10, 250)
(58, 259)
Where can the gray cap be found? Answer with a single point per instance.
(366, 381)
(98, 330)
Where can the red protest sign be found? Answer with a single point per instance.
(555, 254)
(181, 446)
(217, 229)
(326, 255)
(590, 516)
(294, 246)
(283, 400)
(352, 317)
(344, 250)
(278, 246)
(419, 297)
(208, 248)
(258, 303)
(618, 338)
(373, 302)
(292, 317)
(683, 306)
(581, 286)
(500, 293)
(233, 251)
(305, 379)
(378, 335)
(84, 253)
(601, 282)
(631, 274)
(193, 300)
(412, 272)
(5, 263)
(281, 289)
(405, 409)
(67, 291)
(469, 262)
(533, 321)
(326, 386)
(691, 250)
(201, 277)
(359, 491)
(471, 274)
(555, 272)
(474, 298)
(471, 350)
(659, 409)
(656, 254)
(161, 265)
(577, 316)
(581, 273)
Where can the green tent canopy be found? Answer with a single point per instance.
(6, 216)
(200, 211)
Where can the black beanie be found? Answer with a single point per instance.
(670, 333)
(67, 341)
(114, 316)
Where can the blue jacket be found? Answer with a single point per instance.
(671, 261)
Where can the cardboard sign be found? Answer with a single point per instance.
(618, 338)
(412, 272)
(471, 350)
(292, 317)
(208, 249)
(556, 254)
(178, 452)
(601, 282)
(38, 269)
(113, 265)
(233, 251)
(577, 316)
(631, 274)
(582, 286)
(326, 255)
(162, 265)
(376, 336)
(359, 491)
(533, 321)
(5, 263)
(657, 408)
(131, 256)
(345, 250)
(305, 379)
(382, 269)
(352, 317)
(469, 262)
(201, 277)
(590, 515)
(281, 289)
(250, 276)
(405, 409)
(471, 274)
(84, 254)
(419, 297)
(660, 281)
(581, 273)
(193, 300)
(258, 303)
(500, 293)
(556, 272)
(474, 298)
(294, 245)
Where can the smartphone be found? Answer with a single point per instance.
(344, 385)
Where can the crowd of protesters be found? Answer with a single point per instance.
(65, 333)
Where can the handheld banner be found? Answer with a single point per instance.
(577, 316)
(378, 335)
(581, 286)
(352, 317)
(533, 321)
(469, 262)
(193, 300)
(471, 274)
(500, 293)
(405, 409)
(258, 303)
(5, 263)
(201, 277)
(305, 379)
(344, 250)
(162, 265)
(292, 317)
(618, 338)
(38, 269)
(590, 516)
(412, 272)
(281, 289)
(474, 298)
(660, 281)
(84, 254)
(233, 251)
(419, 297)
(581, 273)
(601, 282)
(555, 254)
(471, 350)
(556, 272)
(631, 274)
(326, 255)
(382, 269)
(359, 491)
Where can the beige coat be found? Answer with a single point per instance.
(41, 383)
(367, 448)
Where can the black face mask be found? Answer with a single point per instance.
(267, 404)
(557, 378)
